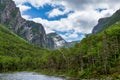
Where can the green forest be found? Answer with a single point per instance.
(96, 56)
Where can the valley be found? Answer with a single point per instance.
(25, 46)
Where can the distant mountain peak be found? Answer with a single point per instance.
(55, 41)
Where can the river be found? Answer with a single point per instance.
(27, 76)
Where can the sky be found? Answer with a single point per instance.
(71, 19)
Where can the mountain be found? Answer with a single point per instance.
(55, 41)
(17, 54)
(104, 23)
(32, 32)
(13, 45)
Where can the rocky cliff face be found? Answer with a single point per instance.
(33, 32)
(104, 23)
(100, 25)
(55, 41)
(29, 30)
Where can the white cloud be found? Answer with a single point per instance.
(23, 8)
(39, 3)
(20, 1)
(79, 22)
(27, 17)
(55, 12)
(74, 35)
(83, 19)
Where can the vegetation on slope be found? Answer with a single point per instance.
(104, 23)
(16, 53)
(96, 56)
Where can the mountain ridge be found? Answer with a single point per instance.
(11, 17)
(104, 23)
(34, 33)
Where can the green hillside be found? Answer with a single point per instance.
(96, 56)
(15, 52)
(112, 20)
(102, 52)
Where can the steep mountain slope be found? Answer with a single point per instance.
(55, 41)
(31, 31)
(104, 23)
(16, 53)
(12, 44)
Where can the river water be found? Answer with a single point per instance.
(27, 76)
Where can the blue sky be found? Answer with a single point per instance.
(71, 19)
(42, 12)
